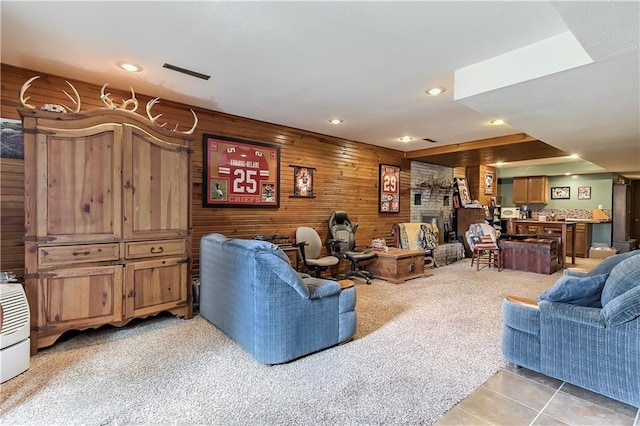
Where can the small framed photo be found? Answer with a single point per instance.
(489, 177)
(584, 193)
(560, 192)
(303, 182)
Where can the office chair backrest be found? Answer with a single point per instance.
(341, 228)
(314, 245)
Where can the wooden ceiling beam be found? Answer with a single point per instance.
(516, 147)
(471, 145)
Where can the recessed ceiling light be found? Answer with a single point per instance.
(129, 66)
(500, 163)
(574, 156)
(435, 91)
(406, 139)
(497, 122)
(336, 121)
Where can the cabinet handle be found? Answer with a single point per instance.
(81, 253)
(132, 293)
(158, 250)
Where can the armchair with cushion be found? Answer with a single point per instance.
(583, 330)
(343, 245)
(249, 290)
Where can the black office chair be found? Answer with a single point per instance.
(343, 245)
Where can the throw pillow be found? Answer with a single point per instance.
(624, 277)
(576, 291)
(429, 241)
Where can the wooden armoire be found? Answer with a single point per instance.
(107, 220)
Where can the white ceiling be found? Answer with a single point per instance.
(369, 63)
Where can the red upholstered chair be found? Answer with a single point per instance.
(483, 242)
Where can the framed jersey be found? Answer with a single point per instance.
(239, 173)
(389, 189)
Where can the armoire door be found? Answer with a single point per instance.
(78, 184)
(156, 187)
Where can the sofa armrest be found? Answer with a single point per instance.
(319, 288)
(574, 313)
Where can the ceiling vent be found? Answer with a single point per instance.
(186, 71)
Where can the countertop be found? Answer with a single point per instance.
(571, 220)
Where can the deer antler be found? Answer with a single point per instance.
(154, 120)
(50, 107)
(23, 89)
(75, 100)
(124, 105)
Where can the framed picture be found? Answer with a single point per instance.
(389, 189)
(560, 193)
(239, 173)
(489, 177)
(463, 191)
(302, 182)
(11, 138)
(584, 193)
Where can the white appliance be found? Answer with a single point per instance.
(510, 213)
(14, 331)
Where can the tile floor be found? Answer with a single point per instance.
(517, 396)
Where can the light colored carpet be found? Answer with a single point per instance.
(421, 347)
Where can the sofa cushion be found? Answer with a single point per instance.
(607, 265)
(268, 259)
(584, 291)
(623, 277)
(623, 308)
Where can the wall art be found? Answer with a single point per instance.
(489, 177)
(560, 192)
(584, 193)
(240, 173)
(11, 138)
(389, 188)
(302, 182)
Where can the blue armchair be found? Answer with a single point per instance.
(249, 290)
(595, 347)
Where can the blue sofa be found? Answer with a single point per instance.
(249, 290)
(596, 347)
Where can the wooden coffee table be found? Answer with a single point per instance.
(397, 265)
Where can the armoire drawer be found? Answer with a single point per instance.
(84, 253)
(144, 249)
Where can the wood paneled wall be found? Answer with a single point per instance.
(346, 175)
(12, 215)
(476, 180)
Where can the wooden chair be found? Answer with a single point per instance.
(483, 243)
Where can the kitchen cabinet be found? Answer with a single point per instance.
(583, 231)
(107, 220)
(531, 190)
